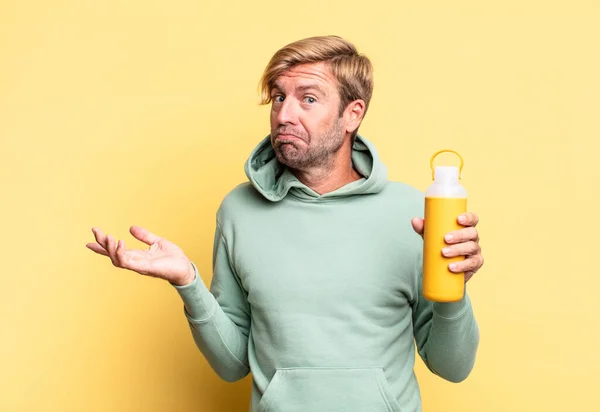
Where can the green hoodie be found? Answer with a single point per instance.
(320, 296)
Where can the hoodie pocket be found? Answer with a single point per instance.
(328, 389)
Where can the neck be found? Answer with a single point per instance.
(333, 174)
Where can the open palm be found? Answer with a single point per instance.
(163, 259)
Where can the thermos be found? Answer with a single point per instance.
(445, 200)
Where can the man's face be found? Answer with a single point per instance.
(306, 129)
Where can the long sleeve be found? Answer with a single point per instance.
(219, 318)
(447, 336)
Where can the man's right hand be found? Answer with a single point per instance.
(163, 259)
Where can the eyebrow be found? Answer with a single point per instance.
(312, 86)
(304, 87)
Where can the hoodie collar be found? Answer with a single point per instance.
(274, 180)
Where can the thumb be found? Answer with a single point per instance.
(418, 224)
(144, 235)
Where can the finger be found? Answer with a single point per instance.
(100, 238)
(418, 225)
(111, 249)
(462, 235)
(130, 259)
(468, 219)
(120, 253)
(144, 235)
(97, 248)
(471, 264)
(124, 257)
(461, 249)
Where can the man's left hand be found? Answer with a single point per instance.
(462, 242)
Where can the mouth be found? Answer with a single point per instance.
(288, 138)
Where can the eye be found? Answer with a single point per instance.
(310, 100)
(278, 98)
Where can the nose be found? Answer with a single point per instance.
(287, 112)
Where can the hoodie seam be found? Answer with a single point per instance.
(229, 260)
(237, 278)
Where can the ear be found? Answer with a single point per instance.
(354, 114)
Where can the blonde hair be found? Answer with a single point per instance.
(353, 71)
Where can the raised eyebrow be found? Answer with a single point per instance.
(275, 88)
(312, 87)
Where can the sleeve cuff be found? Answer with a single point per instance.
(199, 302)
(450, 310)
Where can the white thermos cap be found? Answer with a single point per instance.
(446, 174)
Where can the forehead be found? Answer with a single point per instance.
(318, 74)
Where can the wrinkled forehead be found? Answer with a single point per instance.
(307, 75)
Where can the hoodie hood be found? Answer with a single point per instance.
(274, 180)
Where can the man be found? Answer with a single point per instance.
(316, 287)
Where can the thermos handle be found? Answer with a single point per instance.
(462, 162)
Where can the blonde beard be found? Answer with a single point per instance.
(317, 154)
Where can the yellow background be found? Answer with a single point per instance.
(115, 113)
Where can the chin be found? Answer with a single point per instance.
(289, 157)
